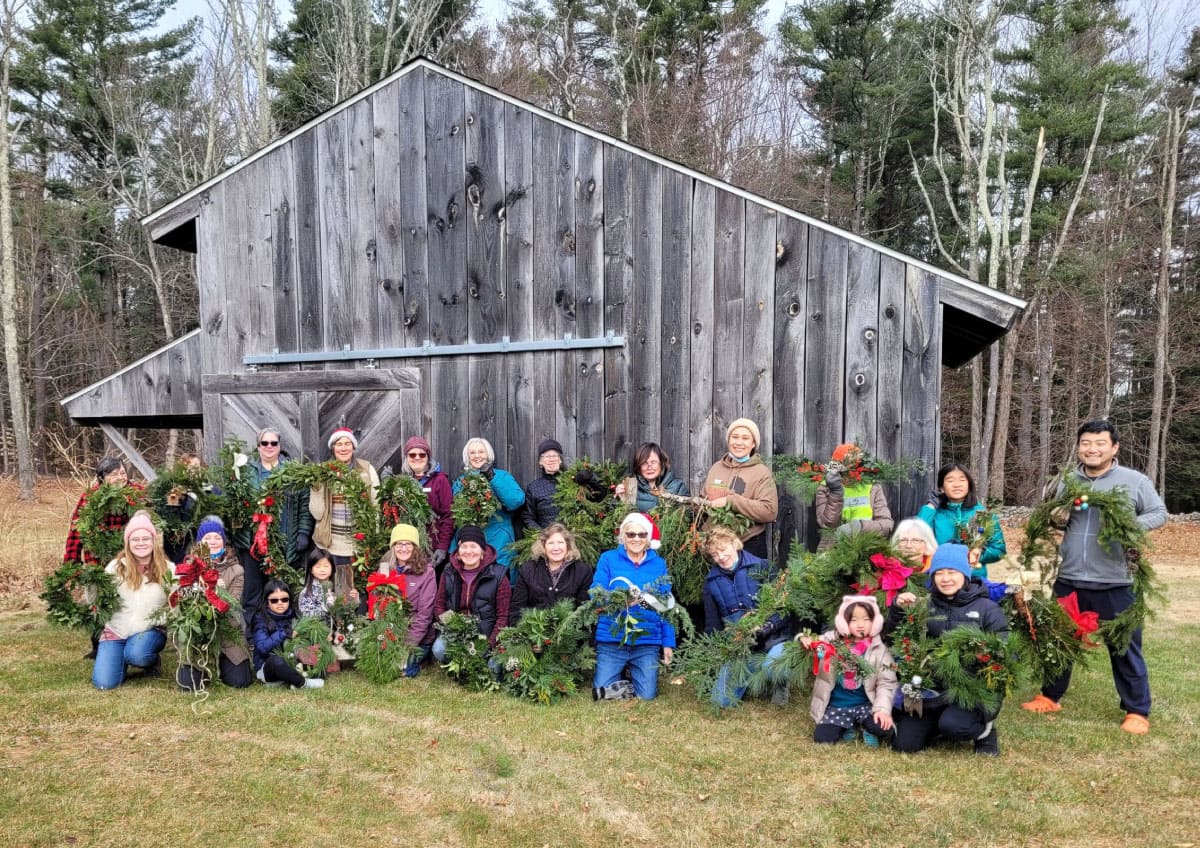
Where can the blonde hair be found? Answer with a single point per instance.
(538, 551)
(132, 575)
(718, 536)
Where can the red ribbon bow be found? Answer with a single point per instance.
(192, 572)
(261, 540)
(891, 578)
(377, 603)
(1086, 623)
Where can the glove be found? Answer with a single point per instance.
(833, 478)
(935, 498)
(439, 558)
(1060, 516)
(302, 543)
(850, 528)
(489, 473)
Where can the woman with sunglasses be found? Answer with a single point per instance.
(295, 522)
(419, 463)
(634, 566)
(274, 624)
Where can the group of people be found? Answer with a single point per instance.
(468, 569)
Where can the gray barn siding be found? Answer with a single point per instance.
(431, 211)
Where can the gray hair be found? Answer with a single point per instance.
(491, 454)
(918, 528)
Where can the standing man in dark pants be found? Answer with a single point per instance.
(295, 522)
(1100, 576)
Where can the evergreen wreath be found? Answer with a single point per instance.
(198, 617)
(624, 604)
(682, 526)
(587, 507)
(545, 655)
(174, 484)
(381, 645)
(1043, 635)
(401, 501)
(467, 653)
(801, 476)
(83, 596)
(702, 658)
(978, 530)
(974, 669)
(475, 503)
(1118, 528)
(102, 518)
(238, 494)
(309, 649)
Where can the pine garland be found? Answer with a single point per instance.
(545, 657)
(475, 502)
(467, 653)
(381, 645)
(83, 596)
(401, 501)
(682, 526)
(102, 519)
(1119, 529)
(174, 484)
(310, 641)
(801, 476)
(1043, 636)
(586, 506)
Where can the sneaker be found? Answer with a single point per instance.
(314, 683)
(1136, 724)
(989, 744)
(870, 740)
(850, 735)
(1041, 704)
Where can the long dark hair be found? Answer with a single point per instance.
(971, 500)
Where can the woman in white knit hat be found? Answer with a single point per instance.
(334, 528)
(742, 481)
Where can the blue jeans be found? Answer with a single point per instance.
(642, 660)
(112, 655)
(419, 656)
(720, 693)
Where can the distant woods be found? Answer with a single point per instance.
(1043, 148)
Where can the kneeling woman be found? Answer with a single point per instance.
(956, 600)
(142, 574)
(632, 565)
(554, 572)
(474, 584)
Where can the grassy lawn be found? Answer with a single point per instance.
(425, 762)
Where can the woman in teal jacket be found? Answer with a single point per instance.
(949, 513)
(479, 456)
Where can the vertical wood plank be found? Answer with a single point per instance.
(335, 235)
(921, 381)
(862, 347)
(309, 245)
(694, 465)
(360, 207)
(387, 284)
(791, 318)
(589, 294)
(484, 226)
(646, 344)
(758, 328)
(445, 154)
(618, 302)
(566, 382)
(675, 358)
(729, 287)
(257, 300)
(518, 257)
(414, 215)
(824, 344)
(312, 447)
(891, 360)
(284, 258)
(210, 274)
(548, 288)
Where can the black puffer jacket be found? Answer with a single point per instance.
(970, 605)
(535, 590)
(540, 510)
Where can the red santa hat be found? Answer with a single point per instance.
(643, 522)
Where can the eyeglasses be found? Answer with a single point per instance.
(284, 600)
(409, 545)
(267, 444)
(417, 455)
(637, 535)
(910, 541)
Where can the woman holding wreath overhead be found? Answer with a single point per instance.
(743, 482)
(334, 528)
(479, 457)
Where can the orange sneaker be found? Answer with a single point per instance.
(1042, 704)
(1136, 724)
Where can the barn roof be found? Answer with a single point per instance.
(975, 315)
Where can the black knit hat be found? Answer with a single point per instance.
(549, 445)
(471, 533)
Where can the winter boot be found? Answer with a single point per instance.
(988, 743)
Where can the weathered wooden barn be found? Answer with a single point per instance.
(433, 256)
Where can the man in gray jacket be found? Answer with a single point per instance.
(1099, 576)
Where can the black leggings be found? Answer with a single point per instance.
(914, 733)
(234, 675)
(828, 734)
(276, 668)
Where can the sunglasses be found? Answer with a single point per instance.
(417, 455)
(284, 600)
(636, 535)
(267, 444)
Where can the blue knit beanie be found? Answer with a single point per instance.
(211, 524)
(953, 557)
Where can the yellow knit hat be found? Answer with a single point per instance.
(405, 533)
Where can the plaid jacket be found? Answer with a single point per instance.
(74, 551)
